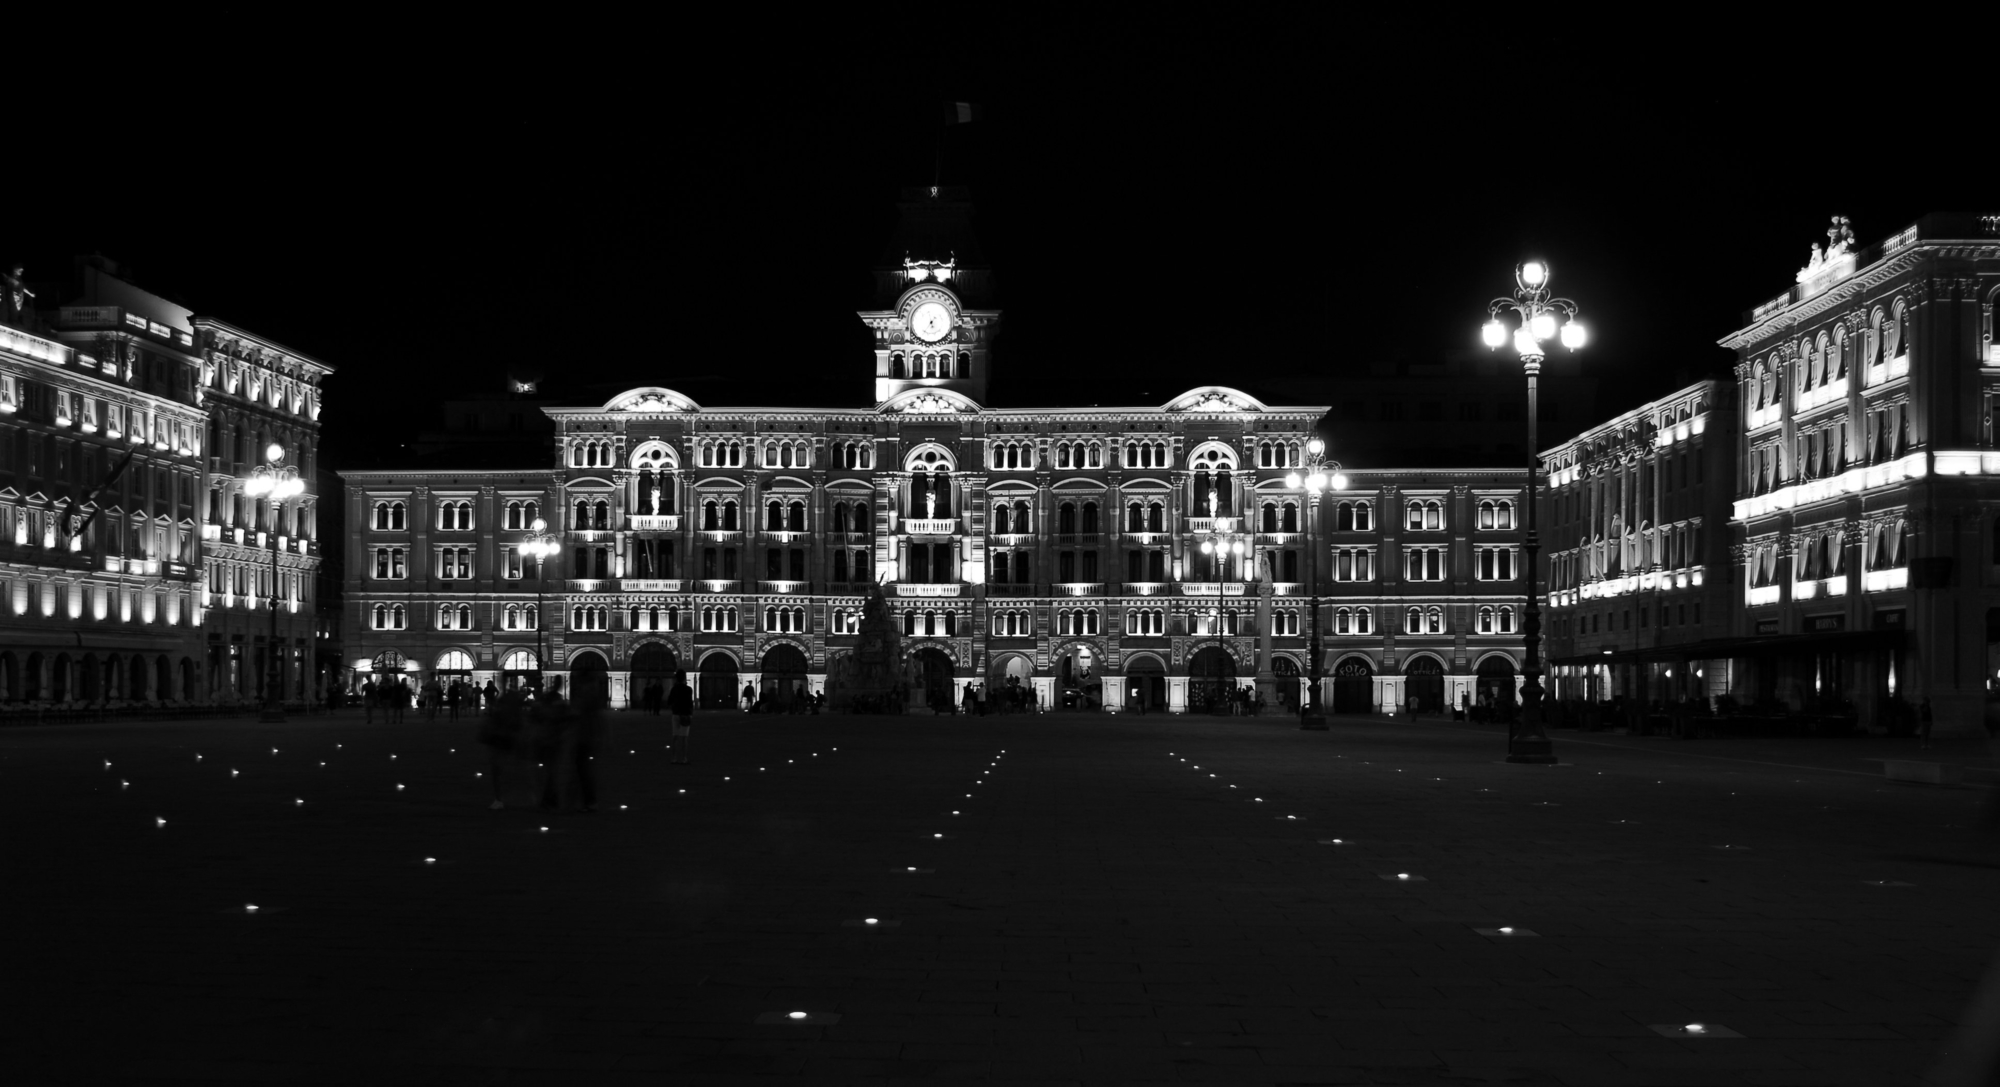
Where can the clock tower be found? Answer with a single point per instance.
(936, 325)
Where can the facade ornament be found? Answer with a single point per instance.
(1839, 243)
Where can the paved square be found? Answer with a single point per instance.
(1153, 899)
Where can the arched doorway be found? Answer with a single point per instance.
(60, 684)
(391, 668)
(1145, 684)
(31, 679)
(453, 666)
(1077, 685)
(87, 685)
(1287, 672)
(135, 679)
(1009, 683)
(10, 677)
(1423, 690)
(519, 668)
(1211, 678)
(589, 679)
(930, 679)
(187, 679)
(1353, 686)
(163, 678)
(1495, 694)
(653, 663)
(718, 690)
(783, 676)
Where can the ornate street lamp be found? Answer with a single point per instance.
(1320, 473)
(279, 484)
(540, 545)
(1223, 544)
(1542, 318)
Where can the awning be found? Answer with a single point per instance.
(1754, 646)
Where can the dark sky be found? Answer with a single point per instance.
(1188, 203)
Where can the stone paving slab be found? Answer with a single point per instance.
(1099, 912)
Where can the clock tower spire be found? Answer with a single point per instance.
(936, 325)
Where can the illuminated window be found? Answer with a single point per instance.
(389, 563)
(389, 516)
(1423, 563)
(1424, 515)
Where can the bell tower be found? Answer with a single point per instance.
(936, 325)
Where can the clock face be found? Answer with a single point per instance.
(930, 322)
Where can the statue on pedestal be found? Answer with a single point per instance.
(869, 679)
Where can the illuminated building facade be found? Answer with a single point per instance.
(1869, 482)
(258, 394)
(1637, 550)
(99, 582)
(1054, 550)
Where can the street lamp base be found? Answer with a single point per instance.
(1313, 722)
(1531, 749)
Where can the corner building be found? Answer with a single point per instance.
(1055, 550)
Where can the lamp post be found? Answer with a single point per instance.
(1542, 318)
(1320, 473)
(539, 544)
(1222, 543)
(279, 484)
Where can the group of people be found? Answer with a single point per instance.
(392, 697)
(555, 741)
(1013, 698)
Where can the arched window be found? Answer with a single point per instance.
(795, 517)
(1507, 619)
(1270, 515)
(729, 516)
(1156, 517)
(397, 619)
(774, 516)
(1413, 621)
(1022, 523)
(1290, 521)
(1434, 620)
(1090, 518)
(1066, 518)
(1485, 620)
(1135, 521)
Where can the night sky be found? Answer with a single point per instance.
(1198, 205)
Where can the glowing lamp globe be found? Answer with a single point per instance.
(538, 525)
(1495, 333)
(274, 452)
(1315, 446)
(1339, 481)
(1236, 547)
(1316, 482)
(1544, 326)
(1534, 273)
(1208, 547)
(1573, 336)
(1525, 344)
(1292, 480)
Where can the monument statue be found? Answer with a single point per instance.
(870, 678)
(20, 300)
(656, 499)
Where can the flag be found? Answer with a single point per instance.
(62, 519)
(962, 113)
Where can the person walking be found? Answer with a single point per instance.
(548, 719)
(500, 730)
(582, 738)
(680, 704)
(749, 697)
(489, 695)
(970, 703)
(368, 699)
(399, 700)
(979, 703)
(654, 696)
(1924, 723)
(454, 697)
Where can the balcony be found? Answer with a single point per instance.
(647, 522)
(1883, 581)
(930, 526)
(1813, 590)
(650, 585)
(1078, 588)
(929, 589)
(1759, 595)
(790, 587)
(1212, 588)
(1214, 524)
(1887, 371)
(1146, 588)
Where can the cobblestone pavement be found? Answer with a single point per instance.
(1111, 900)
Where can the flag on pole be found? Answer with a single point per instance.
(962, 113)
(62, 519)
